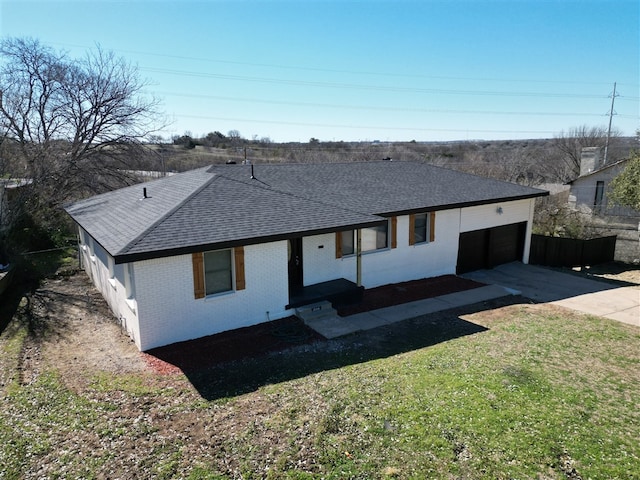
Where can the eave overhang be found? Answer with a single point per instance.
(153, 254)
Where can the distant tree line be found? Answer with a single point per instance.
(530, 162)
(233, 138)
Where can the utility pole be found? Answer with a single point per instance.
(611, 114)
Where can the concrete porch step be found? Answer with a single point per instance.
(316, 311)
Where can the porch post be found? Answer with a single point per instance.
(359, 257)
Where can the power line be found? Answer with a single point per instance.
(339, 71)
(377, 108)
(307, 83)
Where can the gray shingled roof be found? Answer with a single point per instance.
(381, 188)
(221, 206)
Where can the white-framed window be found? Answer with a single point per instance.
(421, 228)
(83, 240)
(130, 286)
(112, 271)
(218, 271)
(129, 281)
(375, 238)
(92, 251)
(348, 242)
(372, 239)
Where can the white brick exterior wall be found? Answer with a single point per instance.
(412, 262)
(487, 216)
(165, 311)
(95, 261)
(169, 312)
(406, 262)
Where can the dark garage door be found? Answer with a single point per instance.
(490, 247)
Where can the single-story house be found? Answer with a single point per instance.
(588, 192)
(229, 246)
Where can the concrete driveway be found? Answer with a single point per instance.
(621, 303)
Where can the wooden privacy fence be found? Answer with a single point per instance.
(571, 252)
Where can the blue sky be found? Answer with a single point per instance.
(363, 70)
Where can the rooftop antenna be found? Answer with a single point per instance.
(252, 176)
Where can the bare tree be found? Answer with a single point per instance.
(569, 146)
(74, 124)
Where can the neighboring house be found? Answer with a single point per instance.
(229, 246)
(588, 192)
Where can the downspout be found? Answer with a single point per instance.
(358, 257)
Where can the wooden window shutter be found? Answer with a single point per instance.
(198, 274)
(412, 229)
(238, 253)
(432, 226)
(338, 244)
(394, 232)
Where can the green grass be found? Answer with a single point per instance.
(541, 394)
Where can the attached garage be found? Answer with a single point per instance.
(489, 247)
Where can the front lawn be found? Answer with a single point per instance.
(531, 391)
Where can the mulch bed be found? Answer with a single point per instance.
(399, 293)
(233, 345)
(278, 335)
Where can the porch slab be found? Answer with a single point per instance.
(333, 327)
(338, 291)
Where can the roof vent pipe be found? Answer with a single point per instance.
(252, 176)
(144, 192)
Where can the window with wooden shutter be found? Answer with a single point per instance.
(213, 272)
(380, 237)
(394, 232)
(422, 228)
(375, 238)
(412, 229)
(197, 260)
(345, 243)
(432, 226)
(239, 264)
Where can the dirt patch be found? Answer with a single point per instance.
(613, 271)
(72, 327)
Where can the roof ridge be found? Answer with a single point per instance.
(293, 195)
(171, 212)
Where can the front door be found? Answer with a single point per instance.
(295, 264)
